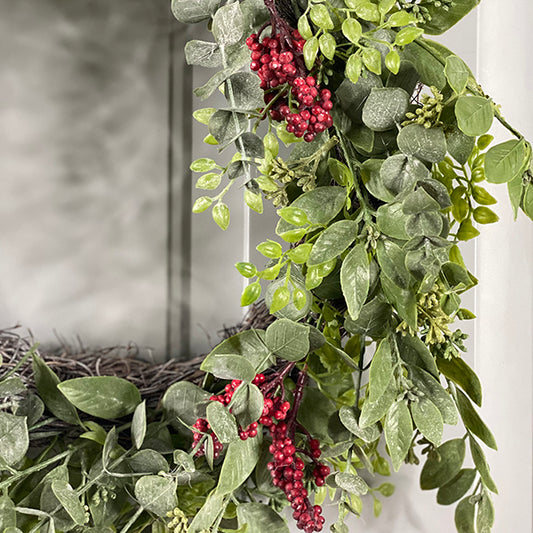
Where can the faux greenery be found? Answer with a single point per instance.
(372, 140)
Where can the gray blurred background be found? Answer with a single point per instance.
(97, 240)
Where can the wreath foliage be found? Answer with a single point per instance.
(373, 143)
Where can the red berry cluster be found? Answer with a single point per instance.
(202, 425)
(287, 471)
(276, 68)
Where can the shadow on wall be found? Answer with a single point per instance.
(83, 118)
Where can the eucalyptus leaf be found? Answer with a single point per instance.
(102, 396)
(443, 464)
(226, 126)
(385, 107)
(203, 54)
(428, 144)
(352, 96)
(391, 219)
(243, 91)
(373, 320)
(398, 432)
(247, 404)
(228, 24)
(485, 514)
(148, 462)
(192, 11)
(138, 425)
(400, 173)
(8, 515)
(459, 145)
(391, 259)
(156, 494)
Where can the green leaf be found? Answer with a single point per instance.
(320, 16)
(380, 370)
(148, 462)
(310, 51)
(473, 421)
(203, 165)
(201, 204)
(403, 300)
(354, 67)
(225, 126)
(407, 35)
(374, 411)
(390, 220)
(401, 18)
(393, 61)
(156, 494)
(203, 115)
(222, 422)
(245, 92)
(398, 432)
(181, 401)
(349, 420)
(428, 420)
(460, 146)
(70, 501)
(8, 515)
(209, 181)
(333, 241)
(443, 464)
(484, 215)
(367, 11)
(184, 460)
(441, 19)
(228, 24)
(385, 107)
(355, 279)
(504, 161)
(246, 270)
(46, 382)
(138, 425)
(288, 339)
(11, 386)
(482, 196)
(239, 463)
(527, 203)
(413, 351)
(258, 518)
(432, 388)
(293, 215)
(428, 144)
(429, 68)
(372, 60)
(251, 293)
(14, 440)
(391, 258)
(203, 54)
(352, 30)
(227, 366)
(105, 397)
(457, 73)
(482, 466)
(327, 45)
(281, 297)
(192, 11)
(485, 514)
(305, 28)
(464, 516)
(467, 231)
(270, 249)
(351, 483)
(474, 115)
(221, 215)
(455, 489)
(247, 404)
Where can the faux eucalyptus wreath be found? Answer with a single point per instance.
(372, 141)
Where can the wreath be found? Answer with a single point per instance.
(372, 142)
